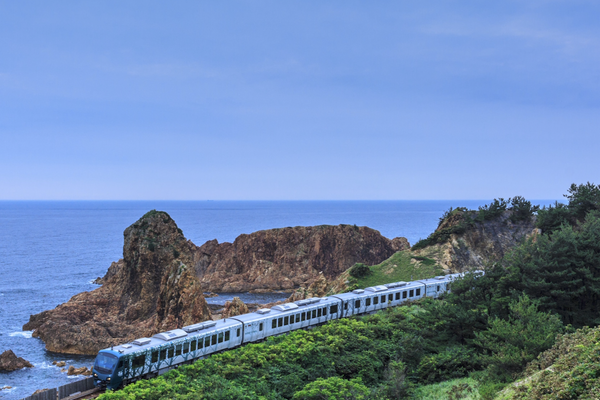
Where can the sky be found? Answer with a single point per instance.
(298, 100)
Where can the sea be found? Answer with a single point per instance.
(52, 250)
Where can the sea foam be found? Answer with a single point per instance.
(25, 334)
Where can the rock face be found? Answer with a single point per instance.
(149, 290)
(480, 244)
(287, 258)
(234, 307)
(10, 362)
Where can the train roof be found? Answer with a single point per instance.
(173, 336)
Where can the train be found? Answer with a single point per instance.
(147, 358)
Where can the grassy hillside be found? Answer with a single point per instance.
(402, 266)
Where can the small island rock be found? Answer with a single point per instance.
(10, 362)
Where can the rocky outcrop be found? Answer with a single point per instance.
(10, 362)
(481, 242)
(80, 371)
(149, 290)
(234, 307)
(288, 258)
(159, 283)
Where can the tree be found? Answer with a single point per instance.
(509, 344)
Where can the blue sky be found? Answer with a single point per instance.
(298, 99)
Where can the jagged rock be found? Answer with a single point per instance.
(59, 363)
(287, 258)
(234, 307)
(137, 299)
(400, 244)
(39, 391)
(10, 362)
(480, 244)
(78, 371)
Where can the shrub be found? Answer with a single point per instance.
(360, 270)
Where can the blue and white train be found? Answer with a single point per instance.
(149, 357)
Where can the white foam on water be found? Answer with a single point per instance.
(44, 365)
(25, 334)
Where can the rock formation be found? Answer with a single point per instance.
(149, 290)
(80, 371)
(287, 258)
(481, 243)
(234, 307)
(10, 362)
(159, 283)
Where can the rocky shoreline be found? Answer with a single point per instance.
(160, 282)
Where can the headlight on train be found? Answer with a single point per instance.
(108, 379)
(95, 375)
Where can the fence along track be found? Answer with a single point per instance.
(70, 391)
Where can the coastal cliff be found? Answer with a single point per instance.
(462, 242)
(159, 283)
(287, 258)
(149, 290)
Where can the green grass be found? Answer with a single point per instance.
(464, 389)
(402, 266)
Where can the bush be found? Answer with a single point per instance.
(360, 270)
(333, 389)
(453, 362)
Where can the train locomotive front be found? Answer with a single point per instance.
(108, 372)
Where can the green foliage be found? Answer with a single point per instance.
(453, 362)
(583, 199)
(333, 388)
(522, 210)
(424, 260)
(553, 217)
(569, 370)
(360, 270)
(397, 268)
(463, 389)
(509, 344)
(492, 210)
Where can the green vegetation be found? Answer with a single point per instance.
(463, 389)
(360, 270)
(459, 220)
(473, 343)
(398, 267)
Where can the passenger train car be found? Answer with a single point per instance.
(149, 357)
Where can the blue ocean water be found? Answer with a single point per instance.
(50, 251)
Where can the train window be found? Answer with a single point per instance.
(178, 350)
(186, 348)
(390, 297)
(297, 317)
(207, 341)
(286, 320)
(227, 336)
(303, 316)
(324, 310)
(404, 294)
(239, 330)
(280, 322)
(154, 356)
(193, 346)
(314, 313)
(260, 328)
(438, 288)
(383, 299)
(368, 301)
(274, 324)
(397, 295)
(356, 303)
(221, 337)
(201, 343)
(376, 300)
(120, 364)
(345, 306)
(418, 292)
(214, 339)
(163, 354)
(170, 353)
(139, 361)
(318, 313)
(334, 309)
(411, 294)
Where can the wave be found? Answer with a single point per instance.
(25, 334)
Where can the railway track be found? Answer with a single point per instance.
(88, 394)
